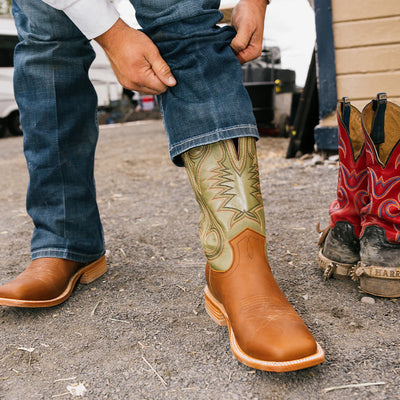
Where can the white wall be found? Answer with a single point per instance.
(290, 25)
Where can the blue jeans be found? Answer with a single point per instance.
(58, 107)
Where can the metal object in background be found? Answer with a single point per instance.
(302, 136)
(271, 91)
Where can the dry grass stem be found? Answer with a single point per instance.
(94, 309)
(119, 320)
(158, 375)
(7, 356)
(355, 385)
(60, 395)
(65, 379)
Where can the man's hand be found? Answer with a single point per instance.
(136, 60)
(248, 20)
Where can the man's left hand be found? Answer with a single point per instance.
(248, 20)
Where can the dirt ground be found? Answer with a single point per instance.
(141, 331)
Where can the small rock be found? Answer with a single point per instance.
(306, 297)
(334, 157)
(306, 156)
(126, 375)
(317, 160)
(77, 389)
(28, 349)
(367, 300)
(331, 163)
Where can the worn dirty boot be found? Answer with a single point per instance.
(265, 332)
(379, 266)
(339, 243)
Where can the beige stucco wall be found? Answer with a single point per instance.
(367, 48)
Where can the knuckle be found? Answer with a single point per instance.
(161, 67)
(131, 85)
(165, 69)
(239, 45)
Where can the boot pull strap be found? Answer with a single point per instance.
(378, 122)
(345, 109)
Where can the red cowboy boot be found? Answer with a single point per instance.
(265, 331)
(379, 266)
(339, 243)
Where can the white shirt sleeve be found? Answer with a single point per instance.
(92, 17)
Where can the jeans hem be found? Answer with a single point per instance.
(232, 132)
(67, 255)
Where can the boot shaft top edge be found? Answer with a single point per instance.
(381, 125)
(350, 130)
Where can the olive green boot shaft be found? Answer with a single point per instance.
(226, 183)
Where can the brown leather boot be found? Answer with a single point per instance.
(265, 331)
(48, 282)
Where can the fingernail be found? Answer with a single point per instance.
(171, 81)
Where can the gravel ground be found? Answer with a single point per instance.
(141, 331)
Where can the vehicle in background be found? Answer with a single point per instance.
(109, 91)
(9, 114)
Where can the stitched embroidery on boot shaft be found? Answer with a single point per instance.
(339, 245)
(352, 193)
(227, 188)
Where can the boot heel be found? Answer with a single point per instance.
(94, 271)
(212, 308)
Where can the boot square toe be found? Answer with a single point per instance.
(283, 344)
(278, 349)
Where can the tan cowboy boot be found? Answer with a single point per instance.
(265, 331)
(48, 282)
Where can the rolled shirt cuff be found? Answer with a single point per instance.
(92, 18)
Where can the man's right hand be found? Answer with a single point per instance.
(136, 60)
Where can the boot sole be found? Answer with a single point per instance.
(217, 312)
(85, 275)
